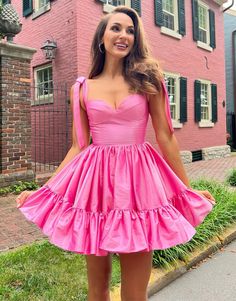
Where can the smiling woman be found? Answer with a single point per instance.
(118, 194)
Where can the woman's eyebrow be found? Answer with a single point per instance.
(116, 23)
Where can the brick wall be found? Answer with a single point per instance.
(15, 140)
(72, 24)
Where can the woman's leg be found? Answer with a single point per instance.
(135, 274)
(99, 274)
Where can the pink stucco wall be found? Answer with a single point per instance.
(72, 25)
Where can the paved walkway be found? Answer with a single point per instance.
(212, 281)
(15, 230)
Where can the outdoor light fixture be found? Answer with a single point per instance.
(49, 49)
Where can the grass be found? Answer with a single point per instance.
(222, 216)
(43, 272)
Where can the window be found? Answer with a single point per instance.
(205, 103)
(40, 7)
(172, 92)
(40, 3)
(170, 16)
(43, 85)
(203, 25)
(172, 82)
(110, 4)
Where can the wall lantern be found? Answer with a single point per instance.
(49, 48)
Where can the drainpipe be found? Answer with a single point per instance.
(234, 65)
(224, 10)
(234, 79)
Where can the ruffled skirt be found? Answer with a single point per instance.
(118, 199)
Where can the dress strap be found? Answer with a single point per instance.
(76, 109)
(167, 106)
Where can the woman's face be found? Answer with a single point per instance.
(119, 35)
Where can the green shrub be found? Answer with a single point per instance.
(231, 179)
(19, 187)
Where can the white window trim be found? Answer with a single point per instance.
(204, 46)
(108, 8)
(175, 122)
(207, 123)
(200, 44)
(43, 100)
(173, 33)
(38, 11)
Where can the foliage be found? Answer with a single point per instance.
(231, 179)
(19, 187)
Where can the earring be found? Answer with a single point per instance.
(100, 47)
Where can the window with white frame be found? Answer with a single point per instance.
(169, 16)
(204, 25)
(203, 21)
(40, 4)
(205, 101)
(110, 4)
(40, 7)
(43, 84)
(172, 85)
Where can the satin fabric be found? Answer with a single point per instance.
(118, 194)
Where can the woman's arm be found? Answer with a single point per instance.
(167, 141)
(75, 149)
(165, 138)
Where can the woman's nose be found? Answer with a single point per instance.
(123, 33)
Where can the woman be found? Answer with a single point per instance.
(119, 195)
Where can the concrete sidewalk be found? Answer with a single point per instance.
(15, 230)
(212, 281)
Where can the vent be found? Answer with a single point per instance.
(196, 155)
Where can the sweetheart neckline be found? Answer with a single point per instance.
(124, 99)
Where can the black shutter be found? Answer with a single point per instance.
(195, 20)
(158, 12)
(197, 100)
(181, 13)
(214, 102)
(27, 7)
(183, 99)
(6, 2)
(212, 28)
(136, 4)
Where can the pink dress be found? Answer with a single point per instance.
(118, 194)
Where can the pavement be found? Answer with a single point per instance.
(15, 230)
(212, 280)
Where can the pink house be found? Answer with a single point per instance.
(187, 37)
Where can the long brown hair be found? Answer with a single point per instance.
(140, 69)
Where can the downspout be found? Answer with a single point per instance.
(224, 10)
(234, 66)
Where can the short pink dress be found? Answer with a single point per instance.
(118, 195)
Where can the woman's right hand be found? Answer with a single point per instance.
(23, 197)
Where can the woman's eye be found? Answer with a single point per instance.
(115, 28)
(131, 31)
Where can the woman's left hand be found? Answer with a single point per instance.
(207, 195)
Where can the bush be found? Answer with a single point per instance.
(231, 179)
(19, 187)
